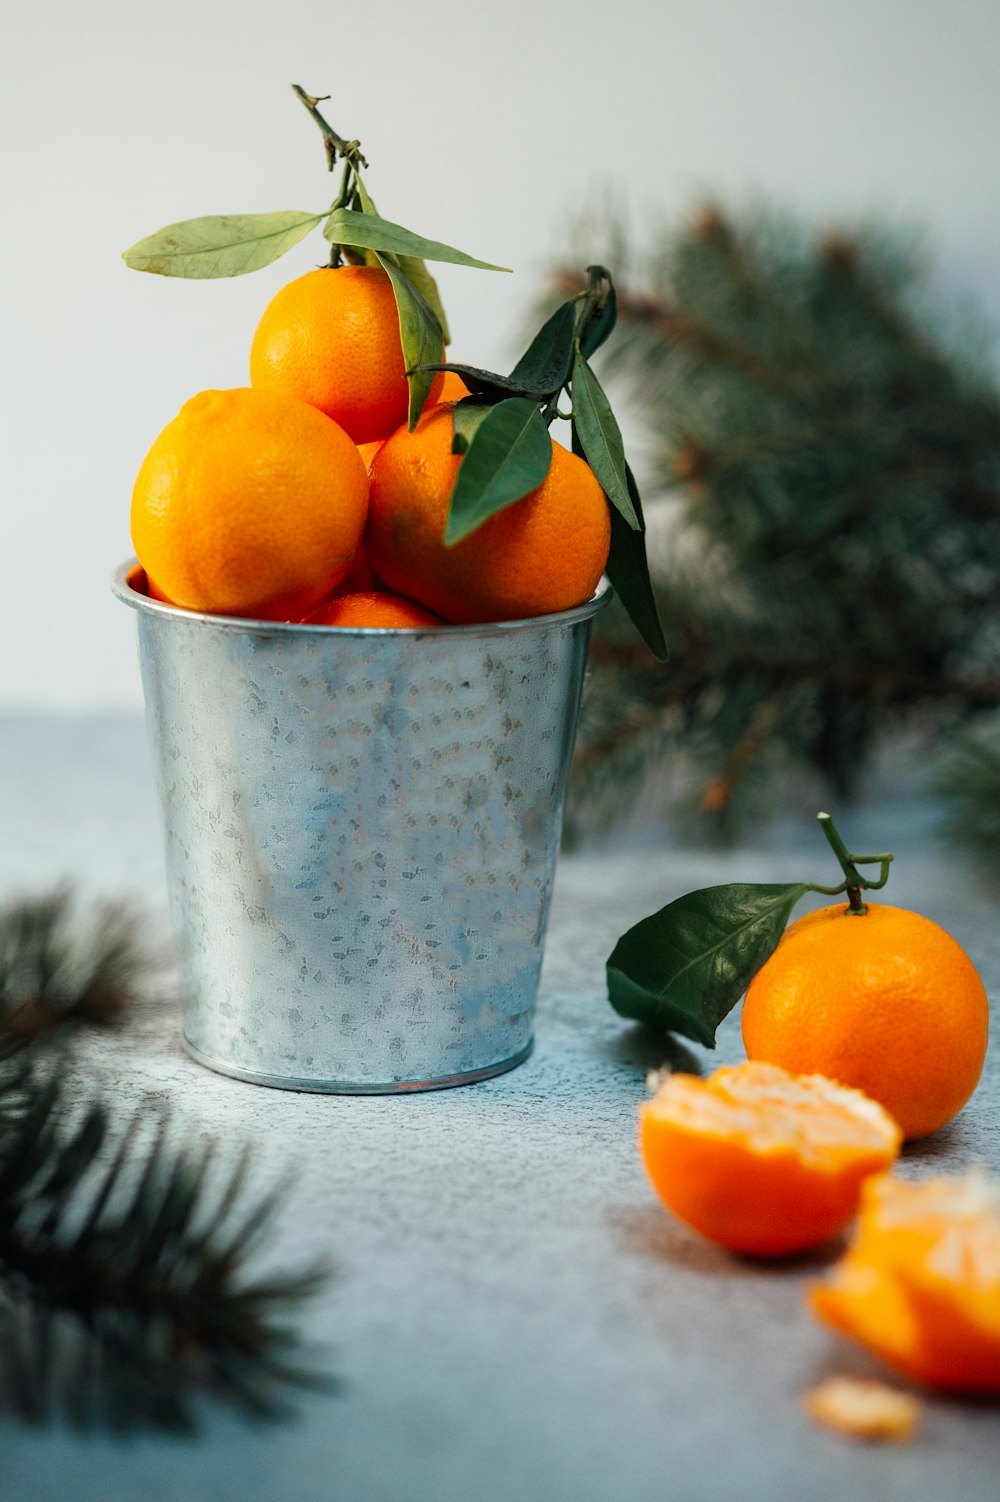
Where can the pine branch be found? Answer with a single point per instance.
(125, 1291)
(60, 966)
(832, 461)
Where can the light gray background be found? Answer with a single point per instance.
(487, 126)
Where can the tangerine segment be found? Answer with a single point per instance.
(920, 1282)
(885, 1001)
(332, 339)
(372, 608)
(248, 503)
(544, 553)
(762, 1161)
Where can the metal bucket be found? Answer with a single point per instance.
(361, 832)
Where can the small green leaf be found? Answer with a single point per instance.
(411, 266)
(489, 385)
(467, 417)
(628, 570)
(601, 318)
(684, 968)
(417, 274)
(220, 244)
(349, 227)
(545, 366)
(420, 333)
(601, 438)
(508, 457)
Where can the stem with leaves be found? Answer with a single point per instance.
(685, 967)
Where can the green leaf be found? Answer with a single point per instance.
(417, 274)
(600, 319)
(545, 366)
(411, 266)
(601, 438)
(467, 418)
(489, 385)
(685, 968)
(349, 227)
(220, 244)
(420, 333)
(628, 570)
(508, 457)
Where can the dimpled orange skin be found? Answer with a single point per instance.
(372, 608)
(919, 1283)
(248, 503)
(542, 554)
(760, 1161)
(885, 1001)
(331, 338)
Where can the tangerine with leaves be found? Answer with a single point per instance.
(919, 1283)
(248, 503)
(762, 1161)
(883, 1000)
(332, 339)
(544, 553)
(372, 608)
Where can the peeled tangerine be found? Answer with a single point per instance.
(920, 1282)
(762, 1161)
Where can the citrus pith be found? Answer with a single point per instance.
(919, 1283)
(762, 1161)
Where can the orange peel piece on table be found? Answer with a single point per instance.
(762, 1161)
(863, 1409)
(919, 1285)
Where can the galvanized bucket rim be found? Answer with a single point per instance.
(124, 590)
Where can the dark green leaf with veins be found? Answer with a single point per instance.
(489, 385)
(601, 319)
(467, 417)
(507, 458)
(684, 968)
(420, 333)
(628, 570)
(601, 438)
(220, 244)
(545, 366)
(368, 231)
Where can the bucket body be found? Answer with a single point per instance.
(361, 830)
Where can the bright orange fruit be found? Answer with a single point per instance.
(920, 1282)
(762, 1161)
(372, 608)
(331, 338)
(542, 554)
(248, 503)
(885, 1001)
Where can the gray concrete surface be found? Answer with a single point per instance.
(514, 1315)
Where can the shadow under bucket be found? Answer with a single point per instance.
(361, 832)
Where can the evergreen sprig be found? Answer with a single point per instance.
(833, 462)
(61, 966)
(126, 1293)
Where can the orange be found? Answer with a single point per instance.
(885, 1001)
(543, 553)
(372, 608)
(249, 503)
(762, 1161)
(452, 389)
(331, 338)
(920, 1282)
